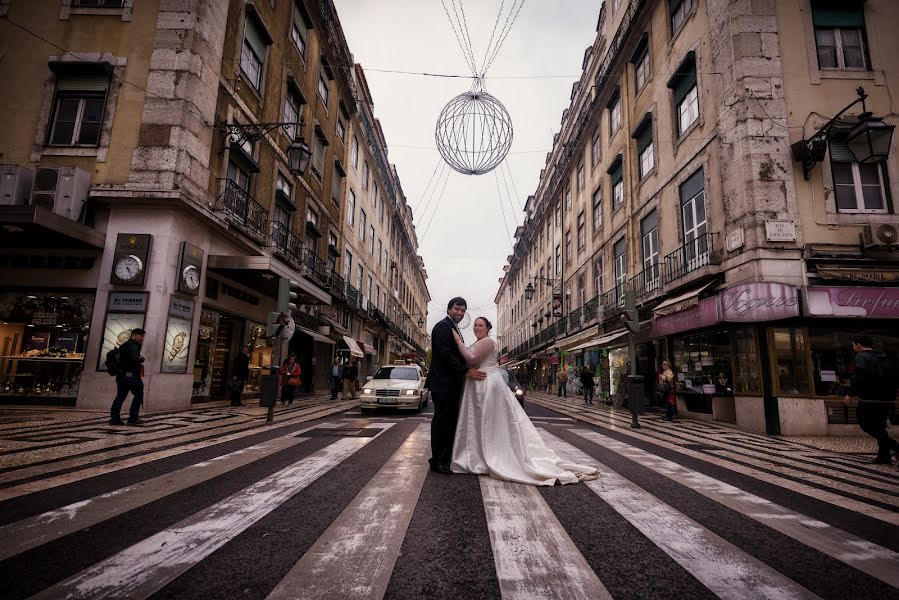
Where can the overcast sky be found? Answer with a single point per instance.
(465, 238)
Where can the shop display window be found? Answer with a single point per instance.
(747, 368)
(43, 337)
(260, 355)
(790, 361)
(831, 352)
(703, 363)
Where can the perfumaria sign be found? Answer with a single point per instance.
(828, 301)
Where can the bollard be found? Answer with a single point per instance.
(637, 395)
(268, 394)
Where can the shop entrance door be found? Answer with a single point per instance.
(227, 340)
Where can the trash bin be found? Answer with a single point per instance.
(636, 392)
(268, 390)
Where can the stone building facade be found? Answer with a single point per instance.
(141, 187)
(673, 176)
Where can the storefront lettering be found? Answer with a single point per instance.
(759, 302)
(702, 315)
(42, 318)
(852, 302)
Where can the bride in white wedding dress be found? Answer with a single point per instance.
(494, 435)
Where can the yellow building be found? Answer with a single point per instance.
(167, 169)
(675, 176)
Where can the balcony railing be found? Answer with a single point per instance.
(288, 244)
(338, 285)
(647, 281)
(590, 309)
(316, 267)
(692, 256)
(353, 297)
(249, 215)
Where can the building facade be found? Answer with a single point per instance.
(151, 177)
(675, 176)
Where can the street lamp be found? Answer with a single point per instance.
(555, 283)
(298, 153)
(869, 139)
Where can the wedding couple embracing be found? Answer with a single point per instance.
(478, 425)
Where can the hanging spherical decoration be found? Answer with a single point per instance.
(474, 132)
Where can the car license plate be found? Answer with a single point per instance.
(386, 400)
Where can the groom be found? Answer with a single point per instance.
(446, 378)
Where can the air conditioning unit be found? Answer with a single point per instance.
(15, 184)
(883, 236)
(63, 190)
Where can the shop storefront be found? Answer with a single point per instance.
(43, 337)
(314, 352)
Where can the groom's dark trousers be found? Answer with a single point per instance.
(446, 378)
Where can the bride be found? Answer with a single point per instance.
(495, 436)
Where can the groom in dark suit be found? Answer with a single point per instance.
(446, 379)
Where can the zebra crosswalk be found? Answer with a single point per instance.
(343, 506)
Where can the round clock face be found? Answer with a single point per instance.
(191, 277)
(128, 268)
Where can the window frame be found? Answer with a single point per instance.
(596, 202)
(839, 50)
(858, 188)
(301, 32)
(649, 243)
(351, 208)
(83, 97)
(806, 359)
(596, 147)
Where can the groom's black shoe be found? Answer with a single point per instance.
(443, 469)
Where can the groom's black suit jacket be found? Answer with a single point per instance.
(448, 367)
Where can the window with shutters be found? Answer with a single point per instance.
(337, 176)
(347, 265)
(581, 231)
(580, 174)
(351, 208)
(78, 110)
(640, 60)
(645, 152)
(292, 103)
(614, 107)
(597, 210)
(616, 183)
(567, 246)
(253, 52)
(324, 89)
(685, 93)
(649, 234)
(619, 251)
(362, 219)
(299, 30)
(595, 147)
(840, 37)
(354, 152)
(318, 153)
(678, 11)
(858, 187)
(597, 276)
(694, 222)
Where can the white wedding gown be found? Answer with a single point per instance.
(495, 436)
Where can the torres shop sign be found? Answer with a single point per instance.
(756, 302)
(828, 301)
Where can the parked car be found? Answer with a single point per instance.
(514, 386)
(399, 386)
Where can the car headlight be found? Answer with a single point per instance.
(410, 392)
(368, 391)
(519, 392)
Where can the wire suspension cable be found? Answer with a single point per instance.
(492, 34)
(467, 35)
(502, 39)
(503, 209)
(458, 40)
(418, 205)
(436, 206)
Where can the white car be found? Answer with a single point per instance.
(395, 386)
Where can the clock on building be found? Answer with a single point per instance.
(129, 268)
(132, 255)
(190, 269)
(190, 275)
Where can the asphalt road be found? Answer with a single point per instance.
(214, 504)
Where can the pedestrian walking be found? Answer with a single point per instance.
(666, 394)
(129, 378)
(350, 373)
(240, 372)
(336, 374)
(290, 379)
(562, 379)
(587, 383)
(874, 383)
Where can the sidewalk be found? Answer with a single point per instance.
(861, 444)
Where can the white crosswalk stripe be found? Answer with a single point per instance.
(355, 551)
(146, 567)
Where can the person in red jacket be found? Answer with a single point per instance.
(290, 379)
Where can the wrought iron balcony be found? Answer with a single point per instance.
(590, 309)
(337, 285)
(647, 281)
(353, 297)
(317, 268)
(692, 256)
(613, 300)
(243, 210)
(287, 244)
(575, 318)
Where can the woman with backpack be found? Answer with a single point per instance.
(666, 391)
(290, 379)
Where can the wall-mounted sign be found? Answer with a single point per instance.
(827, 301)
(703, 314)
(855, 274)
(44, 318)
(37, 341)
(239, 294)
(780, 231)
(756, 302)
(117, 331)
(177, 345)
(129, 263)
(734, 239)
(181, 308)
(557, 306)
(190, 269)
(128, 302)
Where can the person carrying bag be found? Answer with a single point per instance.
(290, 379)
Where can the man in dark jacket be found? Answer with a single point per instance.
(336, 376)
(240, 372)
(446, 379)
(350, 374)
(129, 379)
(873, 382)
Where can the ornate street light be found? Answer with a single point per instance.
(298, 153)
(555, 283)
(869, 140)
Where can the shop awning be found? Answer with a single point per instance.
(353, 346)
(262, 273)
(574, 340)
(366, 348)
(515, 363)
(602, 340)
(681, 302)
(315, 335)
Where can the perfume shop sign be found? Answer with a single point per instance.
(870, 302)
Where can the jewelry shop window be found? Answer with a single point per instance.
(789, 361)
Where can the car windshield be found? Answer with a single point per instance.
(510, 378)
(397, 373)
